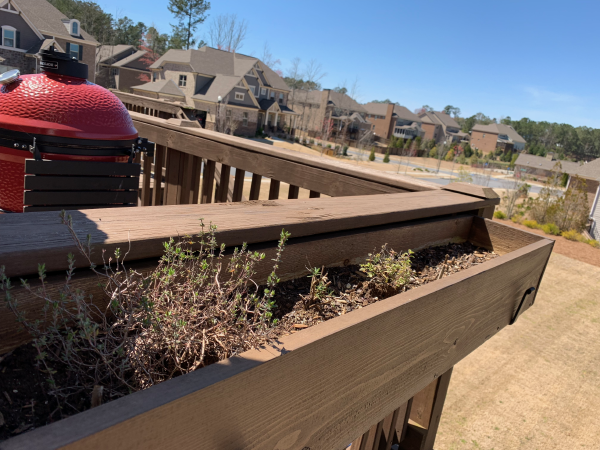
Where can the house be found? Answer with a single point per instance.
(488, 137)
(29, 26)
(332, 113)
(225, 91)
(393, 120)
(441, 128)
(121, 67)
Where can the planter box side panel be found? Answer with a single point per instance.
(322, 387)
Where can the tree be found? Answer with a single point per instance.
(91, 17)
(227, 32)
(152, 42)
(386, 101)
(270, 61)
(341, 89)
(190, 14)
(372, 154)
(449, 156)
(468, 124)
(128, 33)
(452, 110)
(433, 152)
(386, 158)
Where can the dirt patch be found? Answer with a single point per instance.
(536, 384)
(25, 402)
(573, 249)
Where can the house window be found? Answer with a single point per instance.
(74, 50)
(272, 95)
(484, 135)
(263, 91)
(281, 98)
(245, 119)
(75, 28)
(253, 90)
(154, 76)
(182, 80)
(239, 96)
(8, 36)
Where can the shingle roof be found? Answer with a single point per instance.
(405, 113)
(161, 87)
(300, 95)
(221, 85)
(44, 45)
(500, 128)
(274, 80)
(590, 170)
(346, 102)
(445, 119)
(106, 52)
(378, 109)
(137, 55)
(48, 20)
(541, 162)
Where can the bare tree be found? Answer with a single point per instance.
(227, 32)
(314, 73)
(268, 59)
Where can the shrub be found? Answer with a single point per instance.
(345, 150)
(297, 139)
(594, 243)
(386, 158)
(571, 235)
(372, 154)
(328, 145)
(197, 307)
(433, 152)
(499, 215)
(532, 224)
(312, 141)
(550, 228)
(388, 267)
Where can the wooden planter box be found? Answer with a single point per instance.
(323, 387)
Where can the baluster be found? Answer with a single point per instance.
(238, 185)
(223, 189)
(314, 194)
(196, 172)
(159, 161)
(172, 177)
(293, 192)
(186, 178)
(274, 189)
(255, 187)
(208, 179)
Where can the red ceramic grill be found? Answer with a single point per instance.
(57, 115)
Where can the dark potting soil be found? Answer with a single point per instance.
(25, 403)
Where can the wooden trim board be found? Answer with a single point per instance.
(316, 388)
(28, 240)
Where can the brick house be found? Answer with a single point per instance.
(319, 110)
(393, 120)
(211, 82)
(488, 137)
(29, 26)
(121, 67)
(441, 128)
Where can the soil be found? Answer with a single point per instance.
(573, 249)
(25, 404)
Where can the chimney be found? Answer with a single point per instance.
(550, 156)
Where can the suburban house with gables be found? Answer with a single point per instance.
(332, 113)
(121, 67)
(488, 137)
(441, 128)
(389, 119)
(210, 83)
(29, 26)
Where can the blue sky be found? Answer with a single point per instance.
(536, 59)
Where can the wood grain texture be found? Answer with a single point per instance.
(173, 177)
(473, 189)
(147, 178)
(318, 387)
(293, 192)
(223, 187)
(310, 172)
(26, 241)
(319, 250)
(500, 238)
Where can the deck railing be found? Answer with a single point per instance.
(202, 166)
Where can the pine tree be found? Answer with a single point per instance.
(386, 158)
(372, 155)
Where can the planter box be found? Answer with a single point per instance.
(322, 387)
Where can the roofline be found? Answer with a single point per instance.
(29, 22)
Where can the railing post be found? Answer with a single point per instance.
(159, 161)
(208, 179)
(238, 185)
(274, 189)
(293, 192)
(255, 187)
(223, 188)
